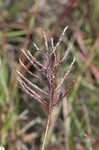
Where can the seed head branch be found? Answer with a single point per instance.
(33, 85)
(37, 62)
(35, 45)
(53, 51)
(31, 92)
(65, 75)
(68, 90)
(31, 61)
(60, 39)
(32, 74)
(23, 85)
(47, 49)
(64, 58)
(60, 97)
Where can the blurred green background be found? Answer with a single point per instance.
(22, 119)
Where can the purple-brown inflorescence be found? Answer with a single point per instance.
(54, 94)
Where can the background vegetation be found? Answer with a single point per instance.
(75, 122)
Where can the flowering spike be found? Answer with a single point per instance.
(50, 73)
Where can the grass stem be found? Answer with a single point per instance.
(46, 131)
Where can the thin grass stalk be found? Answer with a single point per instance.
(46, 132)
